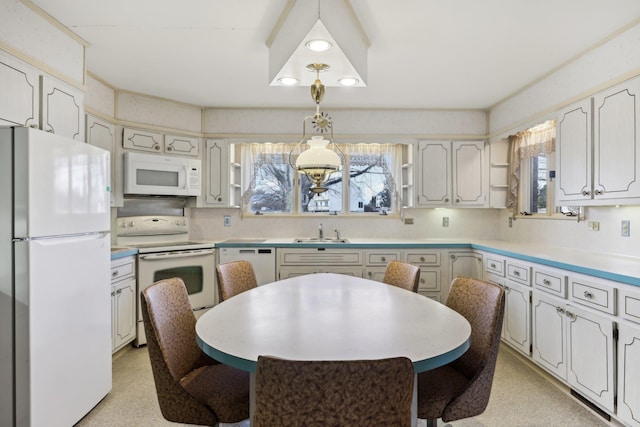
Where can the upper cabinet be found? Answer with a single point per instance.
(452, 173)
(598, 150)
(102, 133)
(216, 167)
(32, 99)
(156, 142)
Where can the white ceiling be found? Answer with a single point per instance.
(423, 54)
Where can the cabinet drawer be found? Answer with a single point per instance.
(380, 258)
(494, 265)
(592, 294)
(630, 305)
(423, 258)
(550, 281)
(122, 269)
(519, 273)
(429, 280)
(321, 256)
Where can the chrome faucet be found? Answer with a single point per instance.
(320, 232)
(337, 234)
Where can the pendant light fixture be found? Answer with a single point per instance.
(323, 157)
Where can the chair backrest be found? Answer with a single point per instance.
(403, 275)
(169, 325)
(234, 278)
(333, 393)
(482, 304)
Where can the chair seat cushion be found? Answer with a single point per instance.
(221, 387)
(438, 387)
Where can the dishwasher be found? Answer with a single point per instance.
(262, 259)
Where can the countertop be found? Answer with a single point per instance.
(620, 268)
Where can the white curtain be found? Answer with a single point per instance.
(533, 142)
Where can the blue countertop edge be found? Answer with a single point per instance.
(123, 253)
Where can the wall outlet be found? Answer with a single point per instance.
(445, 221)
(593, 225)
(625, 228)
(227, 221)
(510, 222)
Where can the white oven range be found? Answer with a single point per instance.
(164, 251)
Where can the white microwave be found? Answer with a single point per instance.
(153, 174)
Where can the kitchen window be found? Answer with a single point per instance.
(366, 185)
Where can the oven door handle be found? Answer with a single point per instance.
(180, 254)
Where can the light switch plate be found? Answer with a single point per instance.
(227, 221)
(625, 228)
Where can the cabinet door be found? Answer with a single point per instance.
(616, 143)
(103, 134)
(549, 335)
(186, 145)
(517, 318)
(374, 273)
(590, 362)
(142, 140)
(19, 86)
(573, 153)
(629, 374)
(434, 173)
(125, 307)
(217, 173)
(469, 174)
(462, 263)
(62, 109)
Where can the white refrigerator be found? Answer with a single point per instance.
(55, 309)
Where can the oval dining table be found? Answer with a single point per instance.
(327, 316)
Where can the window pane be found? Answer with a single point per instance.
(329, 201)
(370, 183)
(272, 186)
(538, 184)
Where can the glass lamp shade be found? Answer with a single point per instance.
(318, 162)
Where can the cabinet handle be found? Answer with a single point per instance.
(570, 315)
(384, 259)
(585, 192)
(493, 265)
(370, 274)
(588, 294)
(598, 192)
(119, 291)
(457, 200)
(34, 126)
(560, 310)
(169, 148)
(114, 273)
(446, 199)
(113, 293)
(50, 130)
(516, 273)
(546, 282)
(423, 281)
(421, 259)
(156, 147)
(219, 199)
(453, 257)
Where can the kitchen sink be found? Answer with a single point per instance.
(319, 240)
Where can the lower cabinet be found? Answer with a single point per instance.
(629, 374)
(123, 302)
(516, 326)
(287, 272)
(577, 346)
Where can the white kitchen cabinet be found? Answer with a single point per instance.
(600, 167)
(61, 108)
(517, 317)
(549, 334)
(452, 173)
(180, 144)
(102, 133)
(462, 263)
(629, 374)
(123, 302)
(143, 140)
(430, 263)
(20, 89)
(216, 167)
(376, 262)
(30, 98)
(498, 173)
(287, 272)
(577, 346)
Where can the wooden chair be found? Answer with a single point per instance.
(402, 275)
(461, 389)
(191, 387)
(293, 393)
(234, 278)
